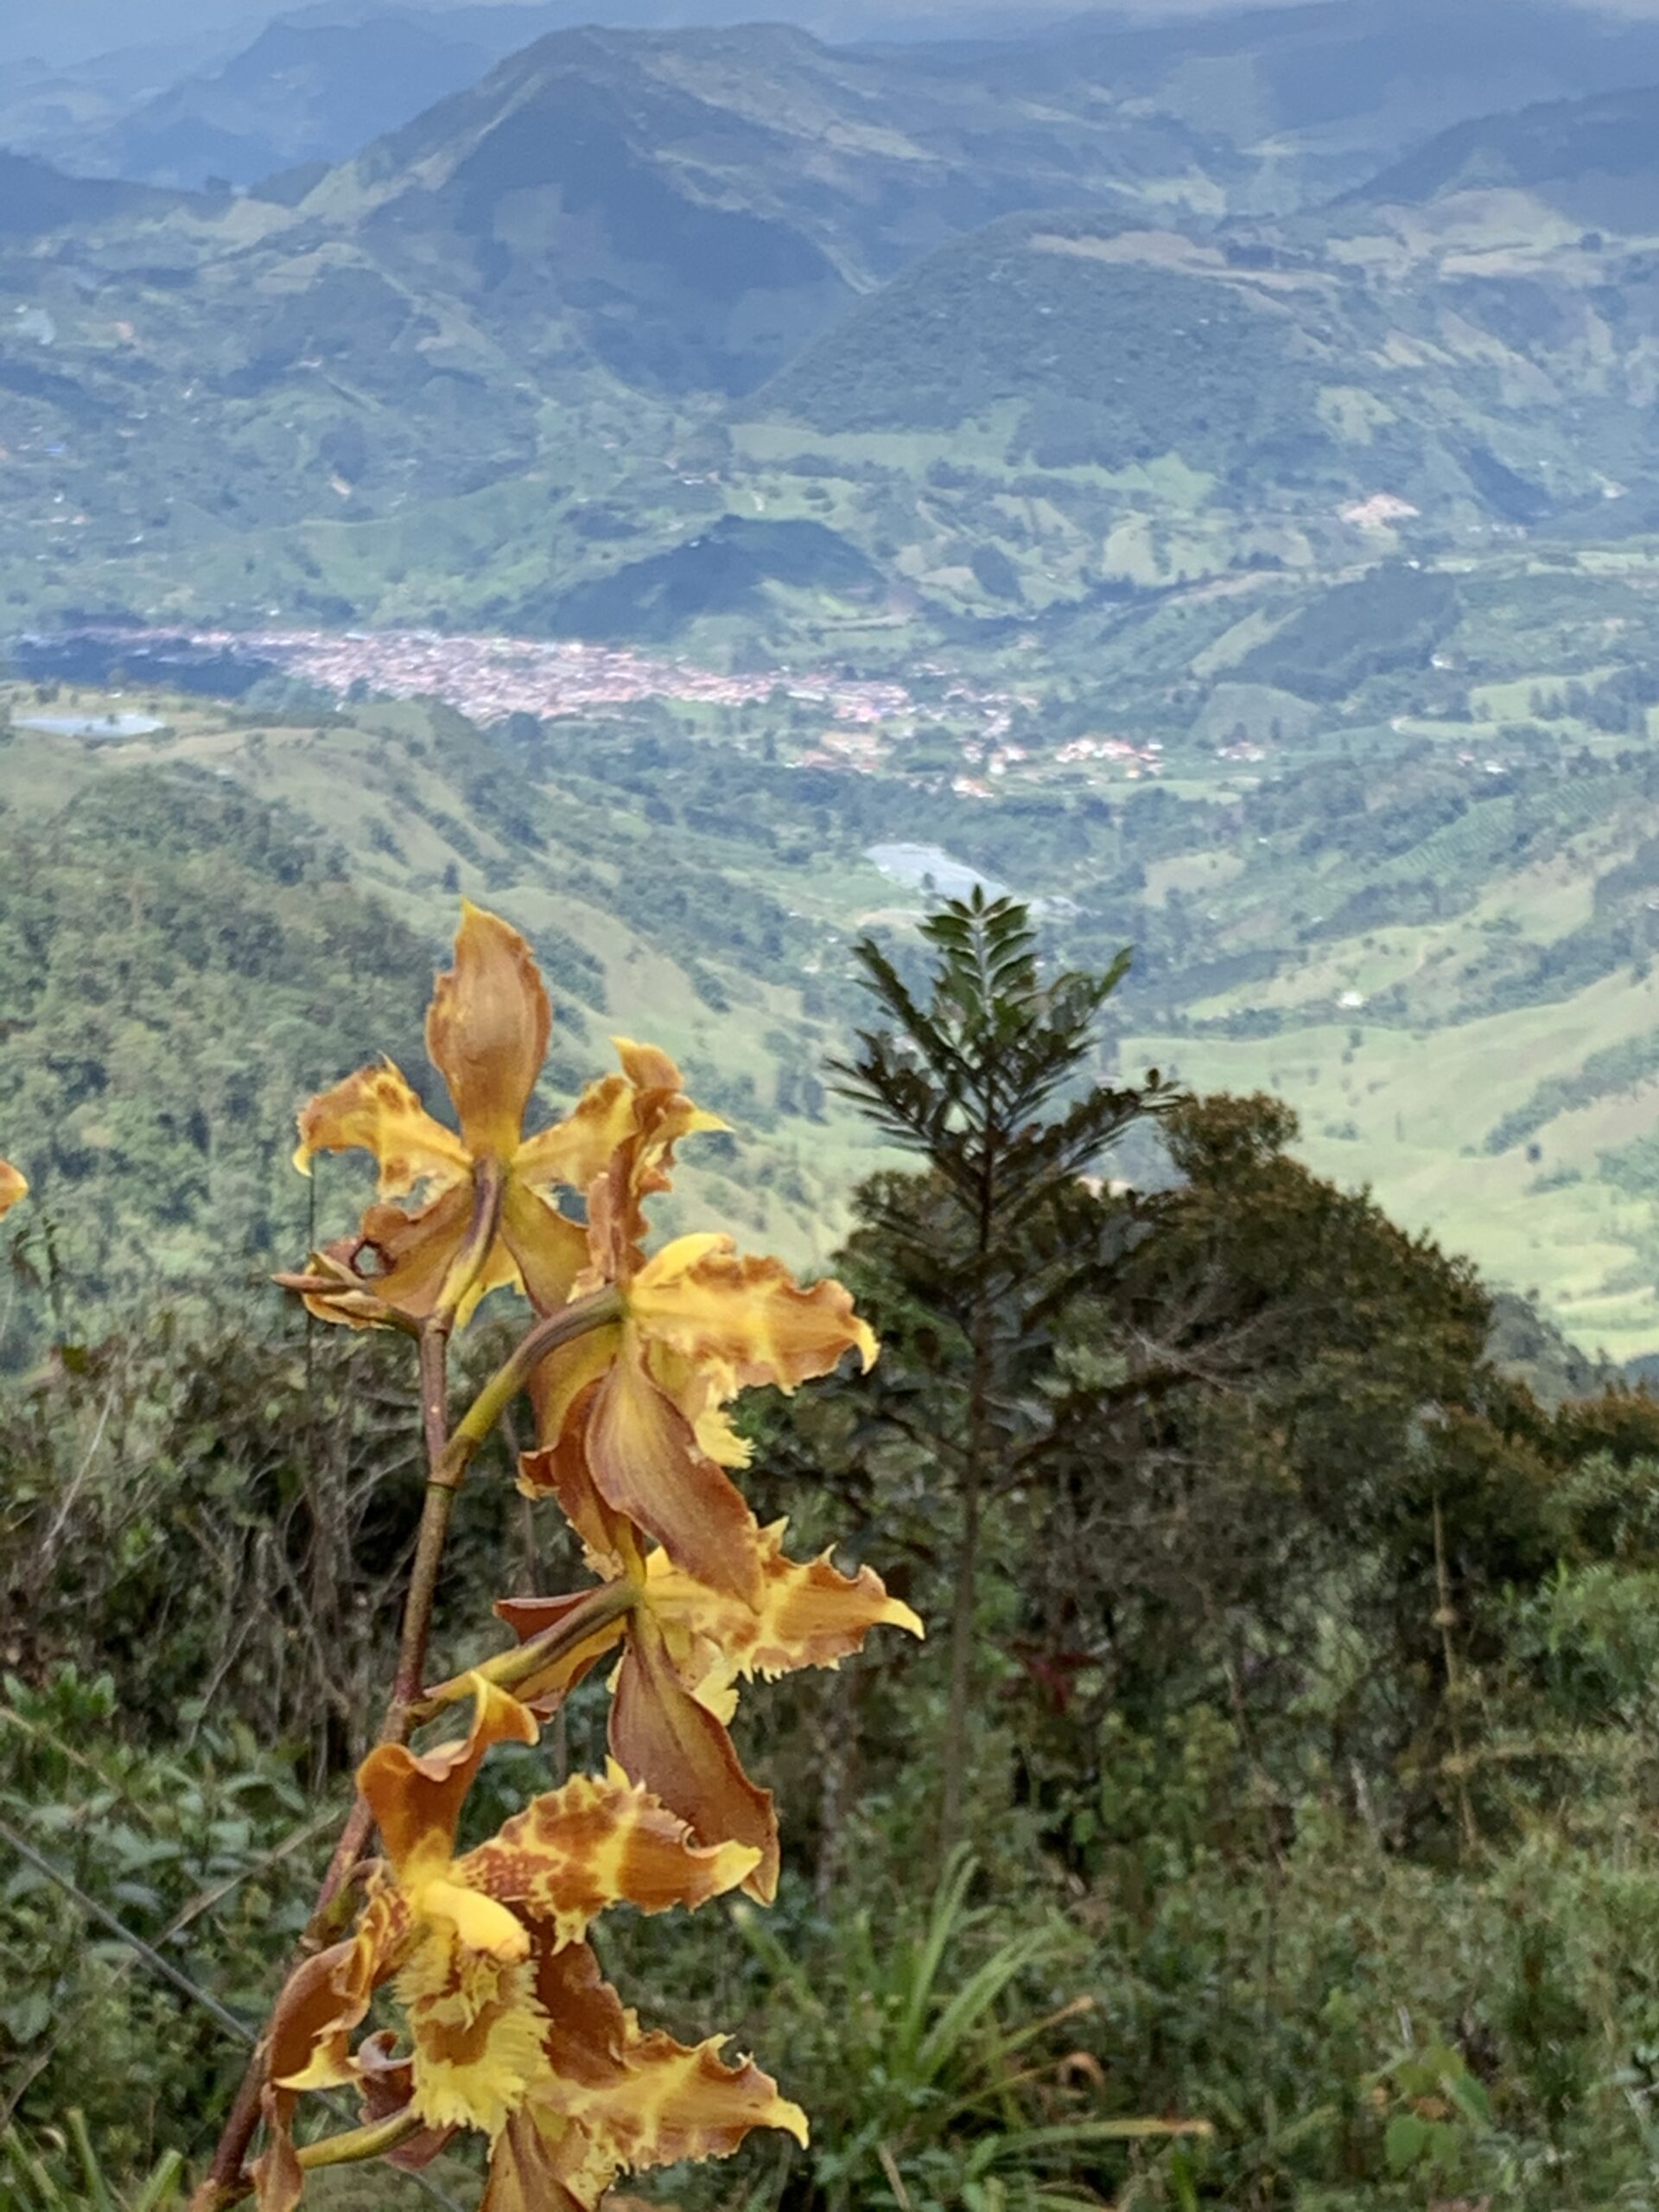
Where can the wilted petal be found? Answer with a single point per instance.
(376, 1111)
(330, 1287)
(486, 1030)
(663, 1737)
(278, 2181)
(12, 1187)
(417, 1797)
(578, 1849)
(745, 1321)
(386, 2082)
(646, 1464)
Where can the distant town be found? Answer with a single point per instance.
(489, 678)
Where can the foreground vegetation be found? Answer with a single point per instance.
(1301, 1700)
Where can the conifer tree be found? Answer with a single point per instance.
(985, 1079)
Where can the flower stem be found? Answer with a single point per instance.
(351, 2147)
(562, 1327)
(590, 1617)
(448, 1458)
(223, 2183)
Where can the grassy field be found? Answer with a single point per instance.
(1407, 1114)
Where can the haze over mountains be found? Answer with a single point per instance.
(727, 246)
(1257, 409)
(233, 97)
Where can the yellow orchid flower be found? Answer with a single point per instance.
(487, 1219)
(607, 2097)
(687, 1645)
(613, 2100)
(459, 1935)
(644, 1397)
(12, 1187)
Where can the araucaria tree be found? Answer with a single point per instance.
(987, 1079)
(452, 1989)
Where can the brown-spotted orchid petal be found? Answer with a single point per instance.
(615, 2099)
(589, 1844)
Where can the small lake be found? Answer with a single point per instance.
(913, 864)
(91, 725)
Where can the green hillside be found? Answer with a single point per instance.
(404, 393)
(626, 341)
(1425, 910)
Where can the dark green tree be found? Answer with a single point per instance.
(986, 1074)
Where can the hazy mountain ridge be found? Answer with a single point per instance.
(750, 311)
(1593, 159)
(300, 93)
(1331, 90)
(36, 198)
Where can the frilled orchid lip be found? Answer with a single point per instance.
(12, 1187)
(459, 1932)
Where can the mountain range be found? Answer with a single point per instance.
(1275, 468)
(638, 298)
(1322, 93)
